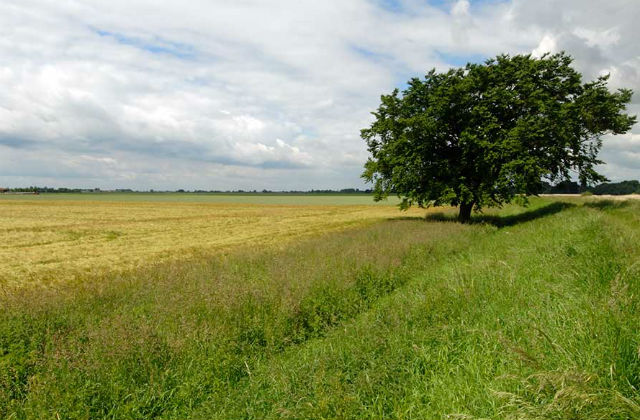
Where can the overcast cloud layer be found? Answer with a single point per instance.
(258, 94)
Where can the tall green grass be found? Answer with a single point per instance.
(531, 313)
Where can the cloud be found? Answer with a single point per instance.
(547, 45)
(214, 94)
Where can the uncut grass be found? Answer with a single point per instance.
(537, 320)
(164, 339)
(399, 319)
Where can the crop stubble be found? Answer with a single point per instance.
(47, 241)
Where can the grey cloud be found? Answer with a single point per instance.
(17, 142)
(223, 94)
(601, 38)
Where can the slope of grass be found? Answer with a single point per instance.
(536, 318)
(166, 337)
(535, 321)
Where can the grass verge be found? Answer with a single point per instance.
(536, 318)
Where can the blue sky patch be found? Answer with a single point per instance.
(405, 7)
(442, 4)
(446, 5)
(460, 60)
(156, 45)
(394, 6)
(369, 54)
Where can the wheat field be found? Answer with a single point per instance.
(48, 239)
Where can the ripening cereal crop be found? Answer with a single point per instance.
(48, 240)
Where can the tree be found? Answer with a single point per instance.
(487, 133)
(618, 188)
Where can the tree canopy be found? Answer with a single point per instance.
(486, 133)
(618, 188)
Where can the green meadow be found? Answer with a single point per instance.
(221, 198)
(526, 313)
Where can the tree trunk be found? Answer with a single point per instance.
(465, 212)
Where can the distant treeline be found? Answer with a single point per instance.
(51, 190)
(608, 188)
(565, 187)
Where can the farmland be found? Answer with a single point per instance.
(58, 237)
(321, 310)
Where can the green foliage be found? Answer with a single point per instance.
(562, 187)
(486, 133)
(618, 188)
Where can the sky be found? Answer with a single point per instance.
(257, 94)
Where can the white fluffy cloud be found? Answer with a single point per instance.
(257, 94)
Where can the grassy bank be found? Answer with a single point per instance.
(531, 314)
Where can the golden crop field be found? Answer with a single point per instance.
(48, 240)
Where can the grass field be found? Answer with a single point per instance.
(530, 313)
(318, 199)
(59, 237)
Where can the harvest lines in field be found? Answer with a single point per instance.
(48, 241)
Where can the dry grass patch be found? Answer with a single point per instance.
(48, 241)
